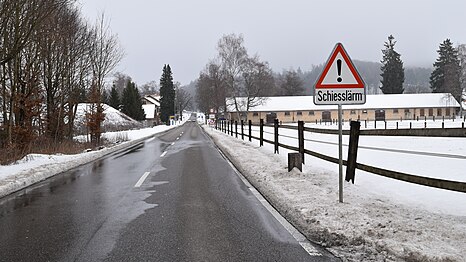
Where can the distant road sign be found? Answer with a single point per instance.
(339, 83)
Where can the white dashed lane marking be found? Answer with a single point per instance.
(141, 180)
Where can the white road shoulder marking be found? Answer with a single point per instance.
(163, 154)
(141, 180)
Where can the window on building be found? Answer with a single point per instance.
(287, 113)
(395, 111)
(439, 111)
(364, 111)
(311, 113)
(421, 112)
(406, 110)
(255, 114)
(353, 112)
(299, 113)
(447, 111)
(431, 111)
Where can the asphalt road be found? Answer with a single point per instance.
(170, 198)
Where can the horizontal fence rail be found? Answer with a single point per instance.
(415, 179)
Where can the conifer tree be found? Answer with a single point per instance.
(114, 100)
(446, 75)
(392, 69)
(167, 94)
(131, 102)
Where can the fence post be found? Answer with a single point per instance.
(275, 127)
(231, 128)
(236, 129)
(228, 127)
(352, 150)
(242, 129)
(250, 132)
(261, 132)
(301, 139)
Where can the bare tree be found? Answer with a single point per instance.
(182, 100)
(105, 54)
(246, 78)
(211, 89)
(462, 58)
(149, 88)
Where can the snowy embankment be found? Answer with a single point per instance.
(34, 167)
(368, 226)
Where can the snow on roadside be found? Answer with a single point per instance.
(367, 227)
(36, 167)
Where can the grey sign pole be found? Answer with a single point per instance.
(340, 153)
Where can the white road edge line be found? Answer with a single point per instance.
(300, 238)
(141, 180)
(163, 154)
(173, 143)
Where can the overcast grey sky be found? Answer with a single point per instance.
(287, 34)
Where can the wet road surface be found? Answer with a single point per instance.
(170, 198)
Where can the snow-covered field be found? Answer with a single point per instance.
(380, 219)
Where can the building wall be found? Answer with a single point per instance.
(361, 114)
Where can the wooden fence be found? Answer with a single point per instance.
(231, 128)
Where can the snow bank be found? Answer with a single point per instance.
(367, 227)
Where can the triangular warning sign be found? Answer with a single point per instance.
(339, 71)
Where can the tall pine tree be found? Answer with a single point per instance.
(446, 75)
(114, 100)
(131, 102)
(167, 94)
(393, 74)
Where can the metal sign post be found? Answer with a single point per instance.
(339, 84)
(340, 154)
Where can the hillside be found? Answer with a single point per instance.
(114, 120)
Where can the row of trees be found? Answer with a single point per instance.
(236, 74)
(51, 59)
(448, 76)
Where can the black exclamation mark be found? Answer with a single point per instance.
(339, 70)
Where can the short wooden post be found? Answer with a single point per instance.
(396, 125)
(250, 131)
(261, 132)
(231, 128)
(352, 150)
(275, 127)
(236, 129)
(294, 160)
(228, 126)
(301, 139)
(242, 129)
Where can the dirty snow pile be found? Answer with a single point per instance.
(36, 167)
(366, 227)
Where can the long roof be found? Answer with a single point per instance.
(299, 103)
